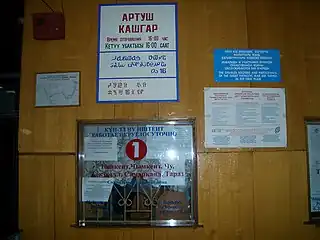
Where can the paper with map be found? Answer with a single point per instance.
(57, 89)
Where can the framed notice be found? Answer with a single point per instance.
(313, 150)
(245, 117)
(137, 173)
(137, 53)
(57, 89)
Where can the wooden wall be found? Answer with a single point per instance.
(243, 195)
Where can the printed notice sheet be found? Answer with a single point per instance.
(245, 117)
(100, 148)
(96, 189)
(314, 164)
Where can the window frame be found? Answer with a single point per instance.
(81, 220)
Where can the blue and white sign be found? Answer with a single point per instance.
(137, 55)
(247, 65)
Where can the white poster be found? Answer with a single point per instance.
(137, 54)
(245, 117)
(96, 189)
(57, 89)
(97, 148)
(314, 164)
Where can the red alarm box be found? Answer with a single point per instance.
(48, 26)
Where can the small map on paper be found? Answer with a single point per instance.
(57, 89)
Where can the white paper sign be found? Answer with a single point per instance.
(245, 117)
(96, 189)
(100, 148)
(137, 53)
(57, 89)
(314, 165)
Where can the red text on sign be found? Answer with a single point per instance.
(126, 17)
(137, 28)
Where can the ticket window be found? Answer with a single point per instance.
(158, 188)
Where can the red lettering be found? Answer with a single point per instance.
(143, 16)
(148, 28)
(121, 27)
(131, 16)
(137, 28)
(149, 16)
(154, 27)
(124, 17)
(137, 17)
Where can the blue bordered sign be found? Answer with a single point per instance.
(247, 65)
(137, 53)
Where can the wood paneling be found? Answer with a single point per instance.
(280, 196)
(226, 195)
(310, 20)
(36, 197)
(274, 24)
(242, 194)
(313, 84)
(206, 25)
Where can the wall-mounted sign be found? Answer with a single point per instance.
(247, 65)
(245, 117)
(57, 89)
(137, 55)
(313, 137)
(138, 172)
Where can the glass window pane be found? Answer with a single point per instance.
(137, 173)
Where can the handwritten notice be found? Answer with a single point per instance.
(137, 53)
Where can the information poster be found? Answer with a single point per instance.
(155, 154)
(313, 132)
(137, 53)
(247, 65)
(245, 117)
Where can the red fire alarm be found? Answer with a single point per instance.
(48, 26)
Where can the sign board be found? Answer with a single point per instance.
(313, 149)
(245, 117)
(137, 55)
(130, 168)
(247, 65)
(57, 89)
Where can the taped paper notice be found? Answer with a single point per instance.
(96, 189)
(100, 149)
